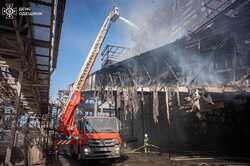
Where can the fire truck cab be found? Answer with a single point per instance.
(98, 127)
(99, 138)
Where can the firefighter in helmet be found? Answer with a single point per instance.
(146, 143)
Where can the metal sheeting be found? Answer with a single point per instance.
(42, 33)
(46, 12)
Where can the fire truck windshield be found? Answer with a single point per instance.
(100, 125)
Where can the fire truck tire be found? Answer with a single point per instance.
(72, 153)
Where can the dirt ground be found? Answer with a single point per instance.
(151, 160)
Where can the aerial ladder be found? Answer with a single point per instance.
(67, 125)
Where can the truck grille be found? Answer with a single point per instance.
(101, 143)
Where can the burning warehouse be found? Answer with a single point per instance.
(192, 94)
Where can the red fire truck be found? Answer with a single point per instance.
(88, 136)
(100, 138)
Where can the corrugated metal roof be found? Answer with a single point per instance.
(39, 36)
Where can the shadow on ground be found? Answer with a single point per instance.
(149, 160)
(65, 160)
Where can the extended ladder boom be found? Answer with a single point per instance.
(66, 125)
(79, 84)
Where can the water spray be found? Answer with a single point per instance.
(129, 23)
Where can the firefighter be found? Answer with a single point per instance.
(196, 103)
(146, 143)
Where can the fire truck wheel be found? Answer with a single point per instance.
(73, 154)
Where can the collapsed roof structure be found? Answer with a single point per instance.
(214, 54)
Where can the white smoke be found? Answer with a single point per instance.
(152, 27)
(163, 21)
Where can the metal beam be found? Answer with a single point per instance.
(42, 71)
(46, 56)
(41, 25)
(41, 3)
(183, 89)
(41, 43)
(3, 27)
(42, 65)
(10, 52)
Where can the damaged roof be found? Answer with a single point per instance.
(29, 44)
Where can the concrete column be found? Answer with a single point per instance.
(14, 116)
(26, 146)
(235, 50)
(115, 98)
(167, 106)
(178, 96)
(142, 112)
(96, 106)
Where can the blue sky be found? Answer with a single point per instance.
(82, 21)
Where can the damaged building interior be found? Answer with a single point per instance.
(184, 86)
